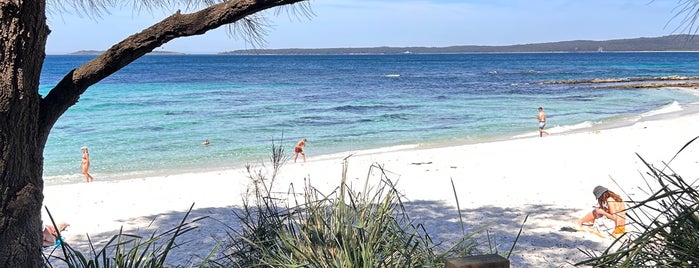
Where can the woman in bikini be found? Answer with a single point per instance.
(610, 206)
(85, 164)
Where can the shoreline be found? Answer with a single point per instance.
(660, 113)
(548, 179)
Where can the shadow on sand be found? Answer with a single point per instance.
(539, 245)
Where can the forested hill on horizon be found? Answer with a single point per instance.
(660, 44)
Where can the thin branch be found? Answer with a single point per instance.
(688, 13)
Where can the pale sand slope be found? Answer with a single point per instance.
(549, 178)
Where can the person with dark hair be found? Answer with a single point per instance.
(609, 206)
(542, 122)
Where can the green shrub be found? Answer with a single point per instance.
(346, 228)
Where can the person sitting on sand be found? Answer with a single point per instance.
(50, 234)
(610, 207)
(299, 150)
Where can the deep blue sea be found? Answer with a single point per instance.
(152, 116)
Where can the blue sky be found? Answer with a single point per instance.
(371, 23)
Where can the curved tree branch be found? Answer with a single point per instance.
(67, 92)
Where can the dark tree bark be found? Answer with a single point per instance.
(26, 119)
(23, 39)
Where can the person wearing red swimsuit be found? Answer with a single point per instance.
(299, 150)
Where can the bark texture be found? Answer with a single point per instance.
(23, 39)
(26, 119)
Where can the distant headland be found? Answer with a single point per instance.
(655, 44)
(98, 52)
(670, 43)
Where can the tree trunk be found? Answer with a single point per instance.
(23, 33)
(26, 119)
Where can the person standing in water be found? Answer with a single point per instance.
(542, 122)
(299, 150)
(85, 164)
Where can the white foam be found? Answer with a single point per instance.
(669, 108)
(63, 179)
(368, 151)
(558, 129)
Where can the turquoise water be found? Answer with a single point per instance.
(152, 116)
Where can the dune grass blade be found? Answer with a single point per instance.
(458, 207)
(517, 237)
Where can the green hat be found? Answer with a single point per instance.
(598, 191)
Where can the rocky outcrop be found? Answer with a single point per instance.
(636, 82)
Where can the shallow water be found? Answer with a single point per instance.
(152, 116)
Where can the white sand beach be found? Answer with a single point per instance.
(550, 179)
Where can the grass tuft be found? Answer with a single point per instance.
(369, 227)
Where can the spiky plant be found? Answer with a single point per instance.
(345, 228)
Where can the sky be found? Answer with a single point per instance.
(396, 23)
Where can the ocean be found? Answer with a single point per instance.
(152, 116)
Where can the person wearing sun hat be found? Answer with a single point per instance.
(609, 206)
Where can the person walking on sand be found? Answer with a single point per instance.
(542, 122)
(85, 164)
(610, 207)
(299, 150)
